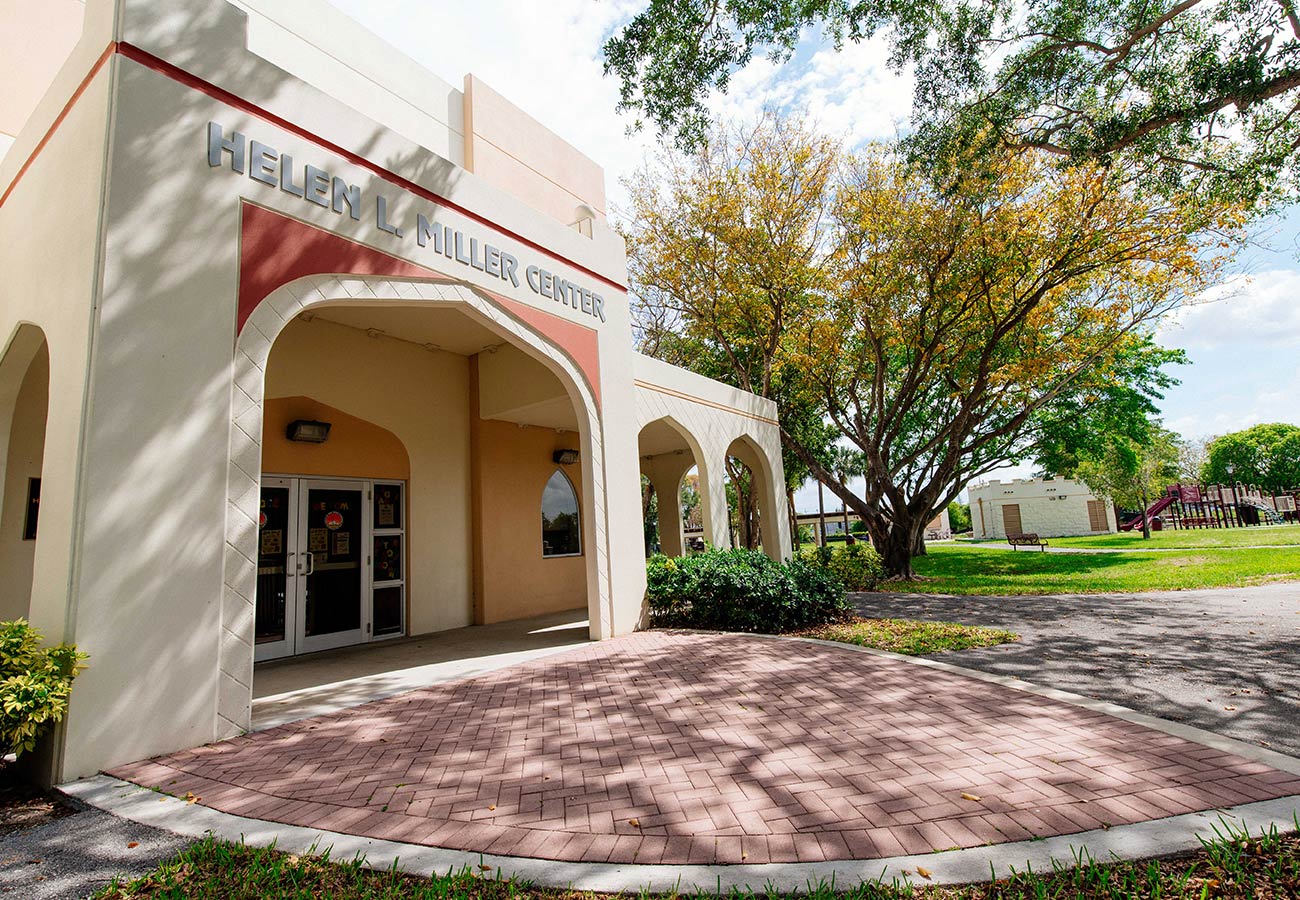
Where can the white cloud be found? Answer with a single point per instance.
(1262, 308)
(851, 93)
(1271, 395)
(546, 59)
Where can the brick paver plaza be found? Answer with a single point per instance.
(688, 748)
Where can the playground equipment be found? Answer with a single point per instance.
(1216, 506)
(1152, 511)
(1266, 512)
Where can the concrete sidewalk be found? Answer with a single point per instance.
(1003, 545)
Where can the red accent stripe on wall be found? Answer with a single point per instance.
(275, 249)
(58, 120)
(193, 81)
(580, 342)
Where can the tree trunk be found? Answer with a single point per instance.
(1146, 519)
(649, 523)
(747, 525)
(895, 541)
(794, 521)
(896, 554)
(821, 513)
(918, 549)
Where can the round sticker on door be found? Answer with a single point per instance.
(261, 520)
(334, 521)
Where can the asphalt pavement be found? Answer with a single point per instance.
(1226, 660)
(77, 855)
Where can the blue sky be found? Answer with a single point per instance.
(1244, 343)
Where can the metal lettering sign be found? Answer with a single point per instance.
(265, 164)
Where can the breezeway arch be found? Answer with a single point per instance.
(682, 413)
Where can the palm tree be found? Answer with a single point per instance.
(844, 463)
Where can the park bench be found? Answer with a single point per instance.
(1026, 540)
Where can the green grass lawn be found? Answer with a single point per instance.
(1264, 535)
(1234, 865)
(958, 569)
(910, 637)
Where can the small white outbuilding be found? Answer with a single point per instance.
(1048, 507)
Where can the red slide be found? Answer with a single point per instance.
(1153, 510)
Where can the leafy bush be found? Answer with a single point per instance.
(742, 590)
(35, 683)
(857, 566)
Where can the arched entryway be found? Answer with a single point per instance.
(472, 414)
(757, 512)
(669, 453)
(24, 409)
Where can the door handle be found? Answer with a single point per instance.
(311, 562)
(288, 567)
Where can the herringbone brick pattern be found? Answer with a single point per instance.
(686, 748)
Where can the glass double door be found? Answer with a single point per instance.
(312, 566)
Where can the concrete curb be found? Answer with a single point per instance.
(1159, 837)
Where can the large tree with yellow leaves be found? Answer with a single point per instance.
(934, 326)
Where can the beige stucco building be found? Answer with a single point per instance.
(305, 347)
(1048, 507)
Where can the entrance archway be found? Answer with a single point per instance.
(668, 453)
(764, 496)
(24, 410)
(381, 310)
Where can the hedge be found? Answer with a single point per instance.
(743, 590)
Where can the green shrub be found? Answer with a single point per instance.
(857, 566)
(742, 590)
(35, 683)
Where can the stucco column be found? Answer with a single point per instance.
(667, 491)
(665, 472)
(777, 540)
(776, 523)
(713, 502)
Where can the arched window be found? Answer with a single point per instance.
(560, 526)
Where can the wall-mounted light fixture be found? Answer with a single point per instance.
(308, 431)
(565, 457)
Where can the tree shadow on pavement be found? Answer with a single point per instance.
(1224, 660)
